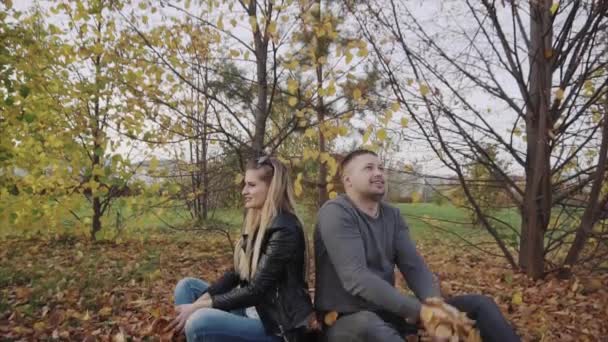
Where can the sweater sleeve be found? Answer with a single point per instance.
(411, 265)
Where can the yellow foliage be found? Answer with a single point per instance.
(559, 94)
(310, 132)
(395, 106)
(292, 85)
(381, 134)
(297, 187)
(331, 89)
(424, 89)
(517, 298)
(293, 101)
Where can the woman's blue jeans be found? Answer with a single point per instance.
(210, 325)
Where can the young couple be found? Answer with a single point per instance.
(359, 239)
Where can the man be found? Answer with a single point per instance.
(359, 240)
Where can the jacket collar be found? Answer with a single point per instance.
(283, 219)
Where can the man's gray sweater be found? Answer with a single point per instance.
(355, 257)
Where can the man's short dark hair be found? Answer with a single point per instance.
(352, 155)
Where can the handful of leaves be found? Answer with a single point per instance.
(444, 322)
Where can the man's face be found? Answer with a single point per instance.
(364, 175)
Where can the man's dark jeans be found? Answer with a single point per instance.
(364, 326)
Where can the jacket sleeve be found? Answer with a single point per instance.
(271, 266)
(225, 283)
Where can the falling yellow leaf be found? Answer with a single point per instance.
(404, 122)
(517, 132)
(297, 187)
(333, 195)
(349, 57)
(554, 8)
(517, 298)
(356, 93)
(381, 134)
(331, 89)
(330, 318)
(559, 94)
(293, 101)
(272, 27)
(366, 136)
(238, 179)
(424, 89)
(253, 22)
(292, 85)
(362, 52)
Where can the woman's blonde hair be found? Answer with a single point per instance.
(279, 198)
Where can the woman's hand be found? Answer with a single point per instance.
(313, 323)
(205, 301)
(184, 312)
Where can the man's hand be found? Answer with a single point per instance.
(444, 322)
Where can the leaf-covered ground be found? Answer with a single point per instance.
(73, 290)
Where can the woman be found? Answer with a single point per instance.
(264, 297)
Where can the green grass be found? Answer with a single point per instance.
(144, 219)
(428, 220)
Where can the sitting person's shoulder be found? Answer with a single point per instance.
(340, 203)
(285, 219)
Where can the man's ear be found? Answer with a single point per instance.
(345, 180)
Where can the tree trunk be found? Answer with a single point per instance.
(96, 221)
(322, 179)
(261, 111)
(204, 142)
(594, 207)
(536, 210)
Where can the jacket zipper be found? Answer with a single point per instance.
(283, 313)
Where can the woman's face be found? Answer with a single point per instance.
(255, 189)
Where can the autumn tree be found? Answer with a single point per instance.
(78, 122)
(522, 76)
